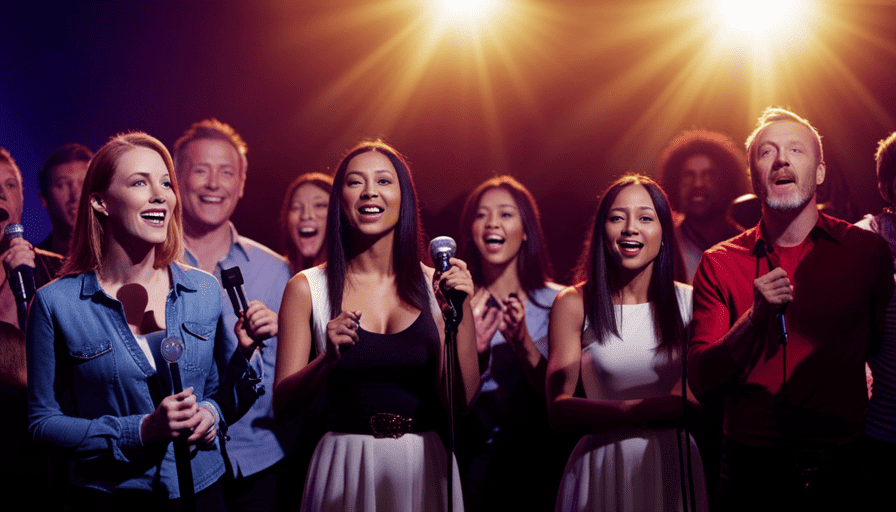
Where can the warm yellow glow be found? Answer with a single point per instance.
(472, 49)
(695, 65)
(754, 16)
(467, 15)
(644, 68)
(765, 18)
(468, 7)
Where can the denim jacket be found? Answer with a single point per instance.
(89, 382)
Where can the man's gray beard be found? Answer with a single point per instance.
(790, 202)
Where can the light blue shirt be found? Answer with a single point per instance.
(255, 444)
(502, 359)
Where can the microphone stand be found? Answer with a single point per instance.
(684, 447)
(172, 349)
(453, 317)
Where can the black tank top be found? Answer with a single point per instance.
(391, 373)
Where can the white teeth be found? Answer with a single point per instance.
(211, 199)
(494, 240)
(153, 215)
(308, 231)
(631, 245)
(371, 209)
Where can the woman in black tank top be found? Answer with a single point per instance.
(382, 365)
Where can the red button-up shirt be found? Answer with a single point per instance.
(842, 278)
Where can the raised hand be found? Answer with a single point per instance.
(486, 319)
(513, 321)
(342, 333)
(257, 324)
(770, 292)
(455, 278)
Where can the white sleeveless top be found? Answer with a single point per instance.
(320, 305)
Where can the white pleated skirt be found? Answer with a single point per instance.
(629, 471)
(360, 473)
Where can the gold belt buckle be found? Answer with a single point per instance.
(386, 424)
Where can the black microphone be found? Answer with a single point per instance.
(761, 252)
(232, 281)
(172, 349)
(441, 249)
(21, 278)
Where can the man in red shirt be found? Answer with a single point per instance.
(794, 403)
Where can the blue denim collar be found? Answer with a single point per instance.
(90, 285)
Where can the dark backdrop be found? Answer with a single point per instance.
(565, 96)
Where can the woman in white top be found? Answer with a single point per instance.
(620, 333)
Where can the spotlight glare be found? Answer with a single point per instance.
(472, 11)
(758, 16)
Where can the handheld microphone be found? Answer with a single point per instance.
(21, 278)
(232, 281)
(172, 349)
(441, 249)
(761, 252)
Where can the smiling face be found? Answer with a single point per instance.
(371, 194)
(212, 181)
(307, 219)
(786, 167)
(66, 182)
(139, 201)
(632, 230)
(497, 228)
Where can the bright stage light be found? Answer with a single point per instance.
(466, 6)
(753, 16)
(759, 18)
(471, 13)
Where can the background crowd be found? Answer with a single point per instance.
(334, 374)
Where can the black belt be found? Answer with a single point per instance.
(379, 425)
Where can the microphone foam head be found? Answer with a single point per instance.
(172, 349)
(14, 231)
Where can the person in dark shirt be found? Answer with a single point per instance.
(793, 411)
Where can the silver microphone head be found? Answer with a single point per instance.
(14, 231)
(172, 349)
(441, 249)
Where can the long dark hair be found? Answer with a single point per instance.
(408, 246)
(599, 270)
(533, 263)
